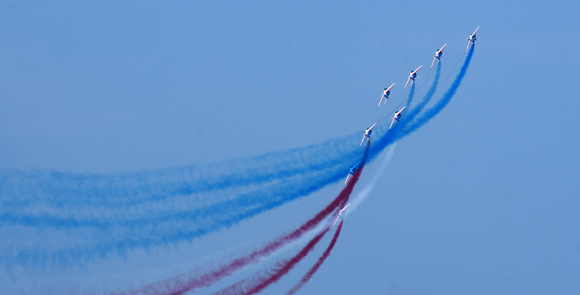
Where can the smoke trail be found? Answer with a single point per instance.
(416, 110)
(56, 189)
(261, 280)
(442, 103)
(361, 196)
(194, 280)
(411, 95)
(318, 263)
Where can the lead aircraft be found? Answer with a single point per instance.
(471, 39)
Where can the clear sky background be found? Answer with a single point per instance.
(482, 200)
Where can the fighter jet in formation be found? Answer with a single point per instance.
(386, 94)
(412, 76)
(471, 39)
(339, 213)
(368, 133)
(438, 55)
(397, 117)
(352, 171)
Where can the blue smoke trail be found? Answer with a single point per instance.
(149, 229)
(442, 103)
(55, 189)
(416, 110)
(411, 95)
(104, 217)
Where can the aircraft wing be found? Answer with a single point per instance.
(415, 72)
(434, 59)
(475, 31)
(399, 112)
(363, 140)
(407, 82)
(468, 44)
(373, 126)
(442, 47)
(389, 89)
(381, 100)
(392, 123)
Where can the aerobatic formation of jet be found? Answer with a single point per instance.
(413, 75)
(339, 213)
(368, 133)
(397, 116)
(471, 39)
(352, 171)
(438, 55)
(386, 94)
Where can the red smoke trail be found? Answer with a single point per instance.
(316, 266)
(192, 280)
(261, 280)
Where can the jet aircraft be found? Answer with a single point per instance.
(412, 76)
(368, 133)
(438, 55)
(471, 39)
(340, 212)
(352, 171)
(397, 116)
(386, 94)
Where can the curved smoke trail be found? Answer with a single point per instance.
(56, 189)
(261, 280)
(416, 110)
(318, 263)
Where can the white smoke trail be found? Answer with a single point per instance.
(362, 195)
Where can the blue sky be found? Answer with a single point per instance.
(481, 200)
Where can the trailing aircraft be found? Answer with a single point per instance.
(397, 117)
(386, 94)
(412, 76)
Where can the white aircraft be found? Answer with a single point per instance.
(339, 213)
(386, 94)
(412, 76)
(438, 55)
(368, 133)
(397, 116)
(471, 39)
(352, 171)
